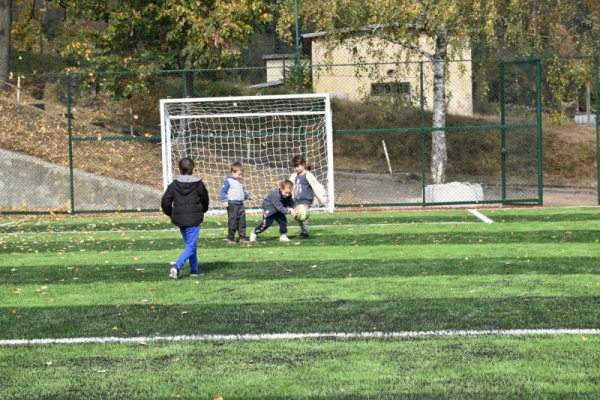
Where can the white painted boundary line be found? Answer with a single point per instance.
(481, 216)
(289, 336)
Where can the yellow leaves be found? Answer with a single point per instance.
(42, 290)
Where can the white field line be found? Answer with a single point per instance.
(481, 216)
(290, 336)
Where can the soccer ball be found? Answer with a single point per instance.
(303, 212)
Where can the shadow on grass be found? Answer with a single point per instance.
(301, 316)
(324, 237)
(304, 269)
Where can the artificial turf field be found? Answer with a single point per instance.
(379, 305)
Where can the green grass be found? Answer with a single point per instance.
(358, 273)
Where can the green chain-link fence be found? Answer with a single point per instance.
(107, 157)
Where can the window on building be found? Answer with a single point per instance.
(390, 88)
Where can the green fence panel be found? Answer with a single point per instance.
(108, 156)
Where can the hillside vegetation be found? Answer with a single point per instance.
(569, 149)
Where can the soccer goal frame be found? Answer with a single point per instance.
(263, 133)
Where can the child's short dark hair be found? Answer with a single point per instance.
(237, 166)
(186, 166)
(287, 184)
(300, 160)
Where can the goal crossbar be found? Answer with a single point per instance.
(244, 115)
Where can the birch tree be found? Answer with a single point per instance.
(451, 25)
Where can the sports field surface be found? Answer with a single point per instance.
(495, 303)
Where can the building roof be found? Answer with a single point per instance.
(267, 84)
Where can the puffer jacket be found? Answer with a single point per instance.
(185, 201)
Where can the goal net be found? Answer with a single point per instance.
(263, 133)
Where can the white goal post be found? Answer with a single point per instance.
(263, 133)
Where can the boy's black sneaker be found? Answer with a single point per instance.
(197, 273)
(303, 235)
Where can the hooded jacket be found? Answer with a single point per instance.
(318, 189)
(275, 202)
(185, 201)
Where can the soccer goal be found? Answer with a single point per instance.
(264, 133)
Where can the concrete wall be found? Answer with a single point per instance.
(278, 68)
(30, 184)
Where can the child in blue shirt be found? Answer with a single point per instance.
(233, 196)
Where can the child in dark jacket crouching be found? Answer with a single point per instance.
(275, 207)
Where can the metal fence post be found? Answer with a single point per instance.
(502, 132)
(597, 92)
(538, 100)
(70, 136)
(423, 137)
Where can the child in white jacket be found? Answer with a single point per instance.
(307, 190)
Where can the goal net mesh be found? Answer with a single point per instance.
(263, 133)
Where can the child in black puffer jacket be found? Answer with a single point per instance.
(186, 201)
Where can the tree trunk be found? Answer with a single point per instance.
(188, 84)
(5, 25)
(439, 157)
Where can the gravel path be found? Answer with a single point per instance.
(376, 188)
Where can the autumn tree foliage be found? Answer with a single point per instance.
(527, 27)
(145, 37)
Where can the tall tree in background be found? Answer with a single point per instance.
(144, 36)
(451, 25)
(5, 25)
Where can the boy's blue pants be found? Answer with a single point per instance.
(190, 237)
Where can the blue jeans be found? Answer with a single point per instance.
(190, 237)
